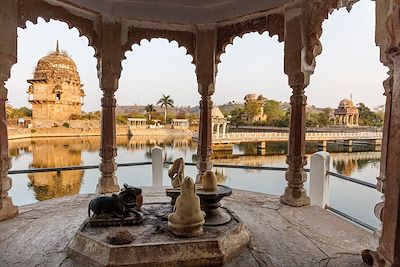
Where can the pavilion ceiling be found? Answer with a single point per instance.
(175, 11)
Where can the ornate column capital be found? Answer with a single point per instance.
(298, 97)
(109, 65)
(205, 54)
(108, 101)
(299, 57)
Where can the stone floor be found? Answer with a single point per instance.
(280, 235)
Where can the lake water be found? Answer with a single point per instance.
(356, 200)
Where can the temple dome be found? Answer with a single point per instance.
(253, 97)
(216, 113)
(56, 65)
(346, 103)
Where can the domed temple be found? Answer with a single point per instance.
(346, 113)
(56, 91)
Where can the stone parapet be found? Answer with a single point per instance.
(19, 133)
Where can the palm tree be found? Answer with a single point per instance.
(149, 109)
(165, 101)
(9, 111)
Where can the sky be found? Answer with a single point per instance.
(348, 66)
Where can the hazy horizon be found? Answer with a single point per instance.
(349, 65)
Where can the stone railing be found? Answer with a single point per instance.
(278, 136)
(320, 175)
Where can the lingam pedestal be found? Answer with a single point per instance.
(210, 203)
(154, 245)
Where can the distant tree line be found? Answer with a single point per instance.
(279, 116)
(15, 113)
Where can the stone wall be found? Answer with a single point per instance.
(82, 124)
(18, 133)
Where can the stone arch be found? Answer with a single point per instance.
(31, 10)
(184, 39)
(273, 23)
(319, 12)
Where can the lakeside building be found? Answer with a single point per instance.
(180, 124)
(55, 90)
(259, 100)
(137, 123)
(219, 121)
(346, 114)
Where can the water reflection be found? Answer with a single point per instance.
(61, 152)
(55, 153)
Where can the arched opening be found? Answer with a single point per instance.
(252, 68)
(56, 72)
(349, 77)
(157, 88)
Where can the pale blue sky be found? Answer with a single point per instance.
(348, 65)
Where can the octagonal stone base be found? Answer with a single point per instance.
(155, 245)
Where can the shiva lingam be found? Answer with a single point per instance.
(209, 192)
(187, 219)
(116, 210)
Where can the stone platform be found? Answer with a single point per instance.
(280, 235)
(154, 245)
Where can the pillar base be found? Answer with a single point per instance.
(295, 197)
(8, 210)
(376, 259)
(107, 185)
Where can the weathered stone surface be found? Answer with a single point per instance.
(332, 238)
(280, 235)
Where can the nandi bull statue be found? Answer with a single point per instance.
(116, 209)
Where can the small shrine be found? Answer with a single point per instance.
(192, 230)
(219, 122)
(347, 113)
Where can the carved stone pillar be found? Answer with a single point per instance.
(7, 209)
(388, 253)
(295, 194)
(380, 186)
(109, 73)
(205, 72)
(388, 39)
(8, 57)
(108, 151)
(298, 71)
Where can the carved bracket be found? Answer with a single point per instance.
(319, 11)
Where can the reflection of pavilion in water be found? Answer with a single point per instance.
(345, 163)
(182, 144)
(50, 154)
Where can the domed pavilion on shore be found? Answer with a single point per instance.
(55, 91)
(347, 113)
